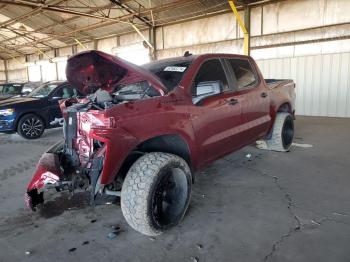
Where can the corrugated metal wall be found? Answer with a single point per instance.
(322, 82)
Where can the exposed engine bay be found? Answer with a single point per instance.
(77, 163)
(79, 157)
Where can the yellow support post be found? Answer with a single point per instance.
(242, 26)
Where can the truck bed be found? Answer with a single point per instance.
(281, 91)
(273, 83)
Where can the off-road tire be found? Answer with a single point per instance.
(26, 121)
(140, 188)
(282, 133)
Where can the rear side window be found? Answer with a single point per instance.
(12, 89)
(211, 71)
(244, 73)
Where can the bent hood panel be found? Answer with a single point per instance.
(91, 70)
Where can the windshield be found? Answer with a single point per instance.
(43, 90)
(170, 73)
(137, 90)
(13, 89)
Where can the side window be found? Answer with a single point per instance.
(66, 92)
(244, 73)
(211, 71)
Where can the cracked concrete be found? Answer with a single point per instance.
(269, 207)
(289, 201)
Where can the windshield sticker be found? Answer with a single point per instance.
(175, 69)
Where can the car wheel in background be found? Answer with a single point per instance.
(31, 126)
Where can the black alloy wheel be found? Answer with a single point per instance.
(31, 126)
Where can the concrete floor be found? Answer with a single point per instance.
(274, 207)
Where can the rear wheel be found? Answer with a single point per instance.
(282, 133)
(31, 126)
(156, 193)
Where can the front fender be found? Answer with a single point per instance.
(118, 143)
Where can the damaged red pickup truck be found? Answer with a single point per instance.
(143, 132)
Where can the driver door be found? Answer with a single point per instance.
(216, 113)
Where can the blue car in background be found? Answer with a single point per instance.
(31, 115)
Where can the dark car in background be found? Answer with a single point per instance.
(8, 90)
(31, 115)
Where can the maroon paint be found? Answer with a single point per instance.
(212, 130)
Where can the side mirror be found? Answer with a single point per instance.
(205, 89)
(25, 93)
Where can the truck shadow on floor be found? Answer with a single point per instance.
(55, 207)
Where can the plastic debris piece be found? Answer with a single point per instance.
(314, 222)
(85, 243)
(112, 235)
(338, 214)
(116, 227)
(199, 246)
(28, 253)
(93, 220)
(72, 249)
(194, 259)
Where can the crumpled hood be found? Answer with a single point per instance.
(91, 70)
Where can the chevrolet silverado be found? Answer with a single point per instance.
(143, 132)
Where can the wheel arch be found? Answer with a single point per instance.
(286, 107)
(167, 143)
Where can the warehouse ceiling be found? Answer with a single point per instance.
(35, 26)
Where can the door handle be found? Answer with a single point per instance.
(263, 94)
(232, 101)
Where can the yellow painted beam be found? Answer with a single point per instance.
(44, 54)
(242, 26)
(80, 43)
(143, 37)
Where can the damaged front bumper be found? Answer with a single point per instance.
(54, 172)
(88, 158)
(47, 174)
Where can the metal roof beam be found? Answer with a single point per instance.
(155, 9)
(17, 19)
(111, 21)
(42, 30)
(132, 11)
